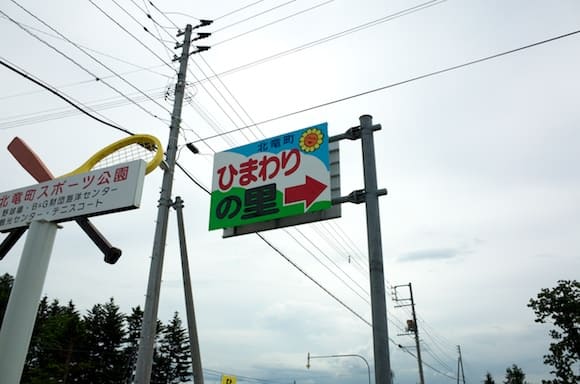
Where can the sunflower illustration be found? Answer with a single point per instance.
(311, 139)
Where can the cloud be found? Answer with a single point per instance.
(430, 254)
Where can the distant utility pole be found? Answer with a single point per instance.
(412, 325)
(460, 366)
(148, 332)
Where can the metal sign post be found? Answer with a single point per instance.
(20, 314)
(40, 207)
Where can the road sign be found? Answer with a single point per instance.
(283, 176)
(98, 192)
(228, 379)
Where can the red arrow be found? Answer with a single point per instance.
(307, 192)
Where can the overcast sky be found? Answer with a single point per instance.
(481, 165)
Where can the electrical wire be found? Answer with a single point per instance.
(254, 16)
(399, 83)
(77, 63)
(232, 96)
(91, 56)
(315, 246)
(140, 67)
(272, 22)
(427, 364)
(133, 36)
(188, 175)
(68, 100)
(283, 255)
(158, 38)
(428, 351)
(364, 298)
(237, 10)
(14, 121)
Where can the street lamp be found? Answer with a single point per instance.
(333, 356)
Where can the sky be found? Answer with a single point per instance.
(480, 164)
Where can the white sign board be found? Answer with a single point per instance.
(98, 192)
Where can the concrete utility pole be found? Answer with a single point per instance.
(414, 328)
(376, 273)
(149, 329)
(416, 331)
(370, 196)
(460, 366)
(191, 323)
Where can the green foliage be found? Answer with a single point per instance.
(175, 349)
(488, 379)
(53, 356)
(99, 347)
(6, 282)
(103, 341)
(514, 375)
(561, 307)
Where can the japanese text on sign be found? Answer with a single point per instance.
(88, 194)
(282, 176)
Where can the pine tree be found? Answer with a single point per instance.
(53, 355)
(514, 375)
(488, 379)
(104, 336)
(175, 348)
(6, 283)
(134, 323)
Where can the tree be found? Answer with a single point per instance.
(514, 375)
(134, 323)
(175, 351)
(104, 336)
(488, 379)
(561, 306)
(6, 283)
(53, 355)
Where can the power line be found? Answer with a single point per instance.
(390, 17)
(325, 265)
(158, 38)
(140, 67)
(14, 121)
(58, 94)
(232, 96)
(271, 23)
(188, 175)
(89, 55)
(237, 10)
(399, 83)
(75, 62)
(132, 35)
(61, 96)
(314, 245)
(28, 93)
(254, 16)
(427, 364)
(242, 119)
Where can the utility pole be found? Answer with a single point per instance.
(191, 323)
(460, 366)
(370, 196)
(376, 272)
(412, 326)
(149, 328)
